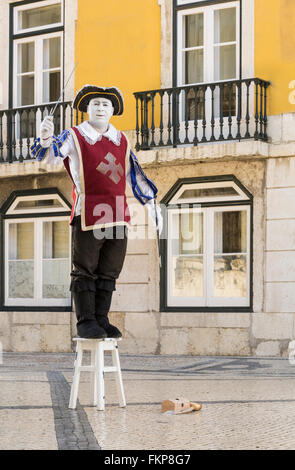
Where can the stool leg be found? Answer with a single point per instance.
(119, 381)
(76, 377)
(93, 380)
(100, 376)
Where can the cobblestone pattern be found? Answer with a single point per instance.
(248, 403)
(73, 431)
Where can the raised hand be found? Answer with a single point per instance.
(154, 211)
(46, 131)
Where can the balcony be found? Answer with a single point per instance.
(20, 126)
(200, 114)
(171, 117)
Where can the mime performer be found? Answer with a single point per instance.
(99, 161)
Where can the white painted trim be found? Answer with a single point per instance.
(183, 301)
(41, 197)
(214, 184)
(231, 301)
(38, 300)
(248, 39)
(184, 2)
(38, 65)
(208, 44)
(31, 6)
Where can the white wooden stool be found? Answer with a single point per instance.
(97, 367)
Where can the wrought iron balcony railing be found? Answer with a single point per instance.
(193, 114)
(19, 127)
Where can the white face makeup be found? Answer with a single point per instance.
(100, 111)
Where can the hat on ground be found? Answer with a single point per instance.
(88, 92)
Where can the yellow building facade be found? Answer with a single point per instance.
(275, 51)
(123, 48)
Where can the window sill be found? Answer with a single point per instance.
(4, 308)
(206, 309)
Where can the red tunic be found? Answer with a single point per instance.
(103, 182)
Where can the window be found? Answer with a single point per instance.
(208, 43)
(208, 247)
(37, 250)
(37, 16)
(38, 70)
(37, 54)
(208, 51)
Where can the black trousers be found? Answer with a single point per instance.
(97, 257)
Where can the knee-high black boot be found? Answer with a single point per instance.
(103, 298)
(87, 326)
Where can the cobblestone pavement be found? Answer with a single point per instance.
(248, 403)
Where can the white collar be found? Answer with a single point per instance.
(92, 135)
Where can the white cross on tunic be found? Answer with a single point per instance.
(111, 169)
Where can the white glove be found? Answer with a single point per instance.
(154, 209)
(46, 131)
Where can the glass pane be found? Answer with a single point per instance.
(21, 260)
(195, 104)
(208, 192)
(230, 232)
(56, 239)
(194, 30)
(51, 86)
(56, 279)
(38, 204)
(190, 233)
(194, 66)
(224, 62)
(26, 90)
(51, 53)
(40, 16)
(27, 124)
(187, 255)
(21, 241)
(56, 270)
(229, 100)
(230, 276)
(26, 57)
(225, 25)
(187, 276)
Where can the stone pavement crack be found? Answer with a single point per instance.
(73, 431)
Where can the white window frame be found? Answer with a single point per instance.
(208, 12)
(38, 70)
(184, 301)
(185, 2)
(208, 47)
(34, 5)
(38, 300)
(214, 184)
(213, 301)
(41, 197)
(208, 299)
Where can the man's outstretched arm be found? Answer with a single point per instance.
(48, 145)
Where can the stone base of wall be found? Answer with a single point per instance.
(200, 334)
(36, 331)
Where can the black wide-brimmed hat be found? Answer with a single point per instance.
(88, 92)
